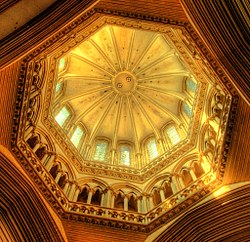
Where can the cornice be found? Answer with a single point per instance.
(50, 189)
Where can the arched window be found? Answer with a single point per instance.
(58, 87)
(187, 109)
(100, 150)
(62, 64)
(54, 170)
(132, 204)
(83, 196)
(186, 177)
(62, 181)
(167, 189)
(125, 155)
(96, 198)
(119, 201)
(198, 170)
(152, 149)
(41, 152)
(33, 141)
(62, 116)
(77, 136)
(173, 135)
(156, 197)
(191, 85)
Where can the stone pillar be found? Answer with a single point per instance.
(139, 203)
(151, 203)
(71, 130)
(50, 161)
(162, 195)
(113, 152)
(72, 191)
(174, 185)
(194, 178)
(182, 185)
(144, 203)
(102, 199)
(65, 189)
(37, 146)
(87, 152)
(125, 203)
(28, 133)
(43, 160)
(58, 175)
(138, 159)
(107, 201)
(90, 196)
(162, 149)
(112, 201)
(77, 191)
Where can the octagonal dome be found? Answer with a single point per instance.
(123, 96)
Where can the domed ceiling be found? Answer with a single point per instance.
(122, 85)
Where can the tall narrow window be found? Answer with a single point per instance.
(76, 137)
(100, 150)
(58, 87)
(62, 116)
(61, 65)
(125, 155)
(173, 135)
(187, 109)
(152, 149)
(191, 85)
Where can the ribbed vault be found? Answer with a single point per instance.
(122, 85)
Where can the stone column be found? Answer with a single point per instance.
(102, 199)
(77, 191)
(139, 203)
(90, 196)
(194, 178)
(182, 185)
(112, 200)
(138, 161)
(72, 191)
(125, 203)
(37, 146)
(144, 203)
(58, 175)
(151, 203)
(174, 184)
(28, 133)
(162, 195)
(107, 201)
(65, 189)
(43, 160)
(87, 151)
(162, 149)
(113, 152)
(50, 161)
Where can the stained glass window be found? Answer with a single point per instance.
(58, 87)
(62, 116)
(152, 149)
(191, 85)
(187, 109)
(76, 137)
(125, 155)
(61, 64)
(173, 135)
(100, 150)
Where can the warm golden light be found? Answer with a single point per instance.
(221, 191)
(61, 65)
